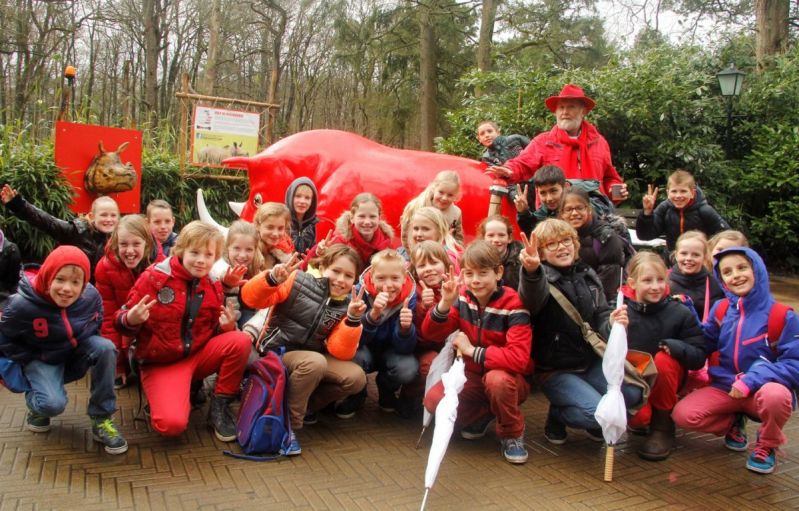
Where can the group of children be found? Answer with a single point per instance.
(173, 310)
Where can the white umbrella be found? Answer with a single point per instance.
(446, 413)
(611, 413)
(438, 367)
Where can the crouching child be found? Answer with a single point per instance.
(51, 327)
(495, 341)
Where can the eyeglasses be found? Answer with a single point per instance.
(574, 209)
(553, 245)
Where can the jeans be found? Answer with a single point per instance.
(49, 398)
(573, 397)
(393, 370)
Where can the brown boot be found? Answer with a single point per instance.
(660, 441)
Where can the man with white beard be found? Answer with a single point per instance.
(573, 144)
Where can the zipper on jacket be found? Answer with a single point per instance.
(68, 326)
(738, 329)
(316, 320)
(186, 324)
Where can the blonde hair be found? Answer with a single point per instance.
(137, 226)
(269, 210)
(681, 177)
(425, 199)
(103, 199)
(693, 235)
(480, 254)
(728, 235)
(643, 259)
(243, 228)
(434, 216)
(428, 250)
(387, 256)
(362, 198)
(198, 234)
(552, 229)
(481, 229)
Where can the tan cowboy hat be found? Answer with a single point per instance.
(570, 91)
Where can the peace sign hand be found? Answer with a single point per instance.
(521, 199)
(529, 256)
(650, 198)
(324, 244)
(280, 272)
(405, 316)
(140, 312)
(357, 306)
(449, 292)
(234, 276)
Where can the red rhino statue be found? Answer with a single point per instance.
(343, 164)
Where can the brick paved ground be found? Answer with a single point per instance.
(369, 463)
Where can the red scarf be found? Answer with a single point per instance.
(575, 162)
(405, 292)
(366, 249)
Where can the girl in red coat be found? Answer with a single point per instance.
(184, 333)
(127, 255)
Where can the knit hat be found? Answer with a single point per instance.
(64, 255)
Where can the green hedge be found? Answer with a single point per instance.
(30, 169)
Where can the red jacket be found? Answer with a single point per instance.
(501, 330)
(184, 318)
(114, 281)
(545, 149)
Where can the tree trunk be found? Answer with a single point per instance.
(151, 11)
(274, 72)
(428, 112)
(211, 61)
(771, 35)
(484, 44)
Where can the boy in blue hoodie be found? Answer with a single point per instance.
(50, 328)
(388, 339)
(753, 375)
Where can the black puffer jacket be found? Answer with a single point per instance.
(511, 265)
(669, 322)
(603, 250)
(10, 266)
(695, 286)
(77, 232)
(668, 220)
(559, 343)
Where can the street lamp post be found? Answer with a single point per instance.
(730, 81)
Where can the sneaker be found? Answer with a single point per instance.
(197, 395)
(736, 439)
(294, 448)
(555, 431)
(477, 429)
(387, 401)
(514, 451)
(310, 419)
(595, 434)
(763, 460)
(120, 383)
(37, 423)
(347, 407)
(105, 432)
(221, 419)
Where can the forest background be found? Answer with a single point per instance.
(419, 74)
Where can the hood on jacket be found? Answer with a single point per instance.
(65, 255)
(310, 215)
(760, 293)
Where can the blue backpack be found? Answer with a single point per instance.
(263, 425)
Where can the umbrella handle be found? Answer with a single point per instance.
(424, 500)
(609, 456)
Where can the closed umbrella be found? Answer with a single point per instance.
(611, 412)
(439, 366)
(446, 413)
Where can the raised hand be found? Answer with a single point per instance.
(227, 318)
(428, 296)
(449, 292)
(322, 245)
(357, 306)
(7, 193)
(521, 199)
(405, 316)
(280, 272)
(379, 303)
(140, 312)
(499, 171)
(529, 256)
(234, 276)
(650, 199)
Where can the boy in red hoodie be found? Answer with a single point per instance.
(495, 341)
(50, 328)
